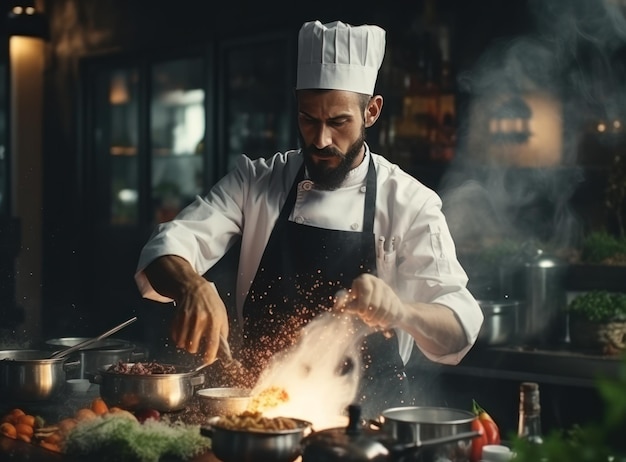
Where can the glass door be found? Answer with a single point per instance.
(177, 135)
(145, 160)
(256, 101)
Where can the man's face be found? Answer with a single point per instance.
(332, 134)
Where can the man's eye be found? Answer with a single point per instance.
(338, 122)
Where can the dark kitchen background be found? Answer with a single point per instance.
(121, 111)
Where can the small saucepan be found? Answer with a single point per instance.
(31, 375)
(223, 401)
(103, 352)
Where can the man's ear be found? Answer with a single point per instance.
(373, 109)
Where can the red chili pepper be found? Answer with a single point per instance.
(479, 441)
(492, 431)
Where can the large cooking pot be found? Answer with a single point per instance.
(501, 322)
(163, 392)
(92, 358)
(30, 375)
(356, 443)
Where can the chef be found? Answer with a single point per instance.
(331, 215)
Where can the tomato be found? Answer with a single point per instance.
(479, 441)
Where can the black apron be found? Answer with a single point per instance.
(301, 270)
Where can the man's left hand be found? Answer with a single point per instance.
(374, 301)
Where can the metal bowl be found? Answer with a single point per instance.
(224, 401)
(253, 446)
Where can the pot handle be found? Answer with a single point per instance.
(197, 380)
(434, 441)
(70, 365)
(95, 378)
(375, 423)
(206, 430)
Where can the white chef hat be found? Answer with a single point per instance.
(338, 56)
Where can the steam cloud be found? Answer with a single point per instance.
(575, 52)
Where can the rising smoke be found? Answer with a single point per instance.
(570, 65)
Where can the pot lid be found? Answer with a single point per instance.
(352, 443)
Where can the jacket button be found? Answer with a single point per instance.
(354, 226)
(306, 185)
(299, 220)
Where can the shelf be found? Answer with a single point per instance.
(558, 367)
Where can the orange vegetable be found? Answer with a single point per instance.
(54, 438)
(85, 414)
(23, 437)
(8, 429)
(99, 406)
(24, 429)
(27, 419)
(50, 446)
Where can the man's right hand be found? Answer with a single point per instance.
(201, 315)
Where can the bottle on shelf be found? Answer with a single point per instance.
(529, 426)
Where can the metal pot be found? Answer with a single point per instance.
(252, 446)
(500, 326)
(162, 392)
(224, 401)
(357, 443)
(106, 351)
(417, 424)
(29, 375)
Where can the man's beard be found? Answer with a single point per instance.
(325, 176)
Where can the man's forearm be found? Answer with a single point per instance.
(171, 276)
(435, 327)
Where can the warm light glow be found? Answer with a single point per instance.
(17, 10)
(617, 124)
(601, 127)
(30, 10)
(309, 373)
(118, 93)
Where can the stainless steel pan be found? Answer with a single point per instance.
(163, 392)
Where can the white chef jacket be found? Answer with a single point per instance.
(416, 254)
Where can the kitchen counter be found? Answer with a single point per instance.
(53, 411)
(17, 451)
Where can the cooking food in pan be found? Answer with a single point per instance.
(139, 368)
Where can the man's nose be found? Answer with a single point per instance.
(322, 138)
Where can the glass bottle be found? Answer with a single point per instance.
(529, 426)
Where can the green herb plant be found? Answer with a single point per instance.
(602, 247)
(599, 306)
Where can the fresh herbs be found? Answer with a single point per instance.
(599, 306)
(126, 440)
(603, 248)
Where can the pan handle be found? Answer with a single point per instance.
(408, 448)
